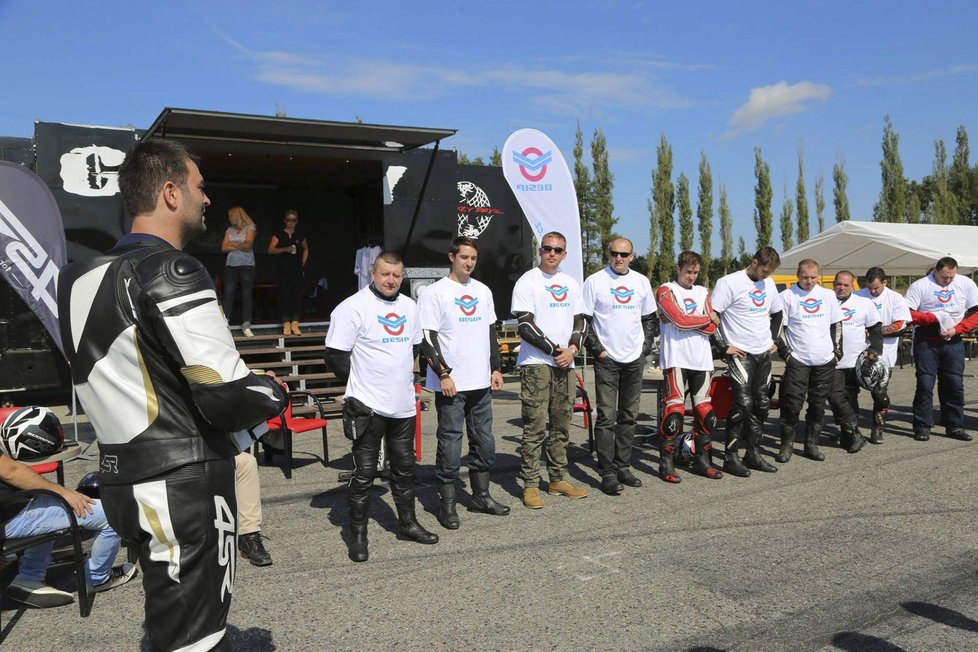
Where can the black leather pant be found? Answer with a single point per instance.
(400, 452)
(815, 383)
(750, 378)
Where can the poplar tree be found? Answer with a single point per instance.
(602, 188)
(960, 181)
(820, 201)
(582, 186)
(686, 228)
(496, 158)
(704, 216)
(944, 206)
(892, 205)
(726, 231)
(762, 200)
(839, 197)
(664, 204)
(801, 201)
(787, 212)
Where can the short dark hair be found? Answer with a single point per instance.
(553, 234)
(946, 261)
(462, 241)
(807, 262)
(875, 274)
(389, 257)
(767, 256)
(688, 258)
(846, 272)
(148, 166)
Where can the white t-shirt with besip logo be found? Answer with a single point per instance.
(685, 349)
(948, 303)
(892, 307)
(462, 315)
(616, 303)
(745, 308)
(553, 299)
(858, 314)
(380, 336)
(808, 317)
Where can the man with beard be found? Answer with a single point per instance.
(750, 313)
(621, 307)
(896, 319)
(156, 370)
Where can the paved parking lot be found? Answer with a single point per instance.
(873, 551)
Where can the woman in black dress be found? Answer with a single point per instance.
(290, 245)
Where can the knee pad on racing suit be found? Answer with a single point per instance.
(672, 422)
(705, 417)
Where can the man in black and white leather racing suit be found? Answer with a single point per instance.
(156, 370)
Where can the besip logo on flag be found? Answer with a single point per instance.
(392, 323)
(622, 294)
(467, 304)
(532, 163)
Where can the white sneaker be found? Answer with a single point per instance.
(119, 576)
(247, 332)
(38, 594)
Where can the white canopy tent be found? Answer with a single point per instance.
(900, 249)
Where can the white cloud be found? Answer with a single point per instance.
(767, 102)
(931, 74)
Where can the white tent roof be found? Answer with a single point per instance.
(900, 249)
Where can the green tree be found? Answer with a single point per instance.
(590, 238)
(820, 201)
(686, 228)
(960, 178)
(463, 159)
(839, 197)
(726, 231)
(763, 195)
(801, 201)
(944, 206)
(663, 204)
(602, 189)
(892, 205)
(743, 258)
(704, 217)
(787, 212)
(496, 158)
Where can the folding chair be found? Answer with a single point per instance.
(14, 546)
(288, 424)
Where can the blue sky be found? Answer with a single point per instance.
(721, 78)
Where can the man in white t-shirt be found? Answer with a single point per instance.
(895, 315)
(621, 309)
(944, 306)
(686, 358)
(810, 343)
(458, 321)
(861, 326)
(750, 312)
(548, 306)
(371, 345)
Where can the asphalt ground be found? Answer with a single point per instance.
(872, 551)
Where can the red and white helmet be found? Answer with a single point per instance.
(29, 433)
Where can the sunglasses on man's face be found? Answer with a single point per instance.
(619, 254)
(556, 250)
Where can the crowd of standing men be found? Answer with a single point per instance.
(172, 403)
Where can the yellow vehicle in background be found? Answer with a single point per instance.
(785, 281)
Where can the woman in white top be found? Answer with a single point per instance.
(239, 240)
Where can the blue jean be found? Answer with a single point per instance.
(45, 514)
(235, 275)
(473, 409)
(942, 362)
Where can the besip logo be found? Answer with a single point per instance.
(622, 294)
(392, 323)
(532, 163)
(757, 297)
(558, 292)
(847, 313)
(811, 305)
(467, 304)
(690, 305)
(945, 295)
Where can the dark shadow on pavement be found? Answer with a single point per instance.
(856, 642)
(942, 615)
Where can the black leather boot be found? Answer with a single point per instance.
(252, 549)
(667, 449)
(787, 444)
(703, 460)
(876, 433)
(811, 442)
(408, 527)
(481, 501)
(753, 458)
(731, 460)
(854, 440)
(447, 515)
(358, 528)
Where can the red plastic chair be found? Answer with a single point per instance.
(582, 403)
(42, 469)
(288, 424)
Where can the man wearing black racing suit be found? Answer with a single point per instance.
(156, 370)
